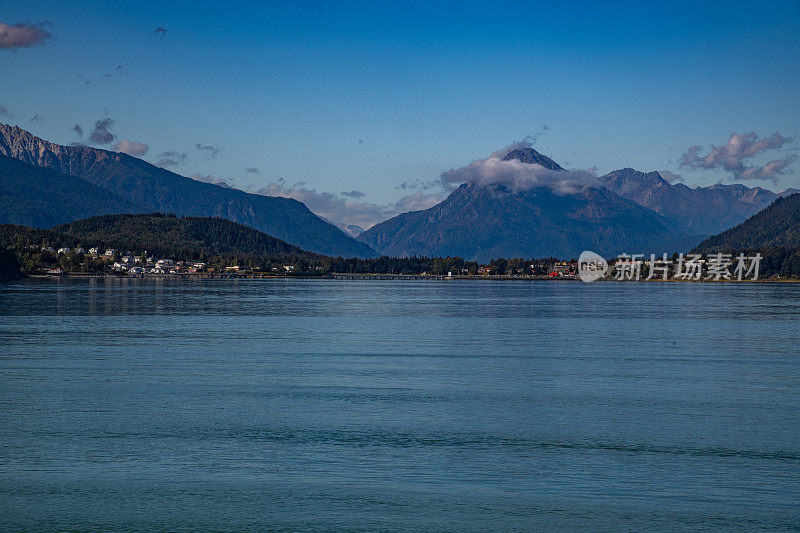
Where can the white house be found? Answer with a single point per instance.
(64, 250)
(110, 252)
(94, 251)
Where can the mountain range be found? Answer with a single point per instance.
(626, 211)
(43, 184)
(137, 186)
(479, 223)
(701, 210)
(353, 230)
(482, 221)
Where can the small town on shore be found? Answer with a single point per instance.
(115, 263)
(140, 265)
(119, 264)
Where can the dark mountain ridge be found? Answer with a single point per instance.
(153, 189)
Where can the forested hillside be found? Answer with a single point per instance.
(776, 226)
(167, 234)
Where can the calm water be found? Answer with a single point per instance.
(336, 405)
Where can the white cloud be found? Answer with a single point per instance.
(349, 207)
(671, 176)
(133, 148)
(731, 157)
(518, 175)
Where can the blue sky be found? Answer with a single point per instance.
(365, 96)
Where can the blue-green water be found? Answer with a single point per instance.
(336, 405)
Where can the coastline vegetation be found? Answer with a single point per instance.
(220, 245)
(214, 246)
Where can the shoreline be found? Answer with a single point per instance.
(382, 277)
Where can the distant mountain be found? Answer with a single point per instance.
(40, 197)
(776, 226)
(351, 229)
(156, 189)
(702, 210)
(531, 156)
(481, 222)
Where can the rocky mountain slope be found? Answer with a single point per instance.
(158, 190)
(479, 222)
(702, 210)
